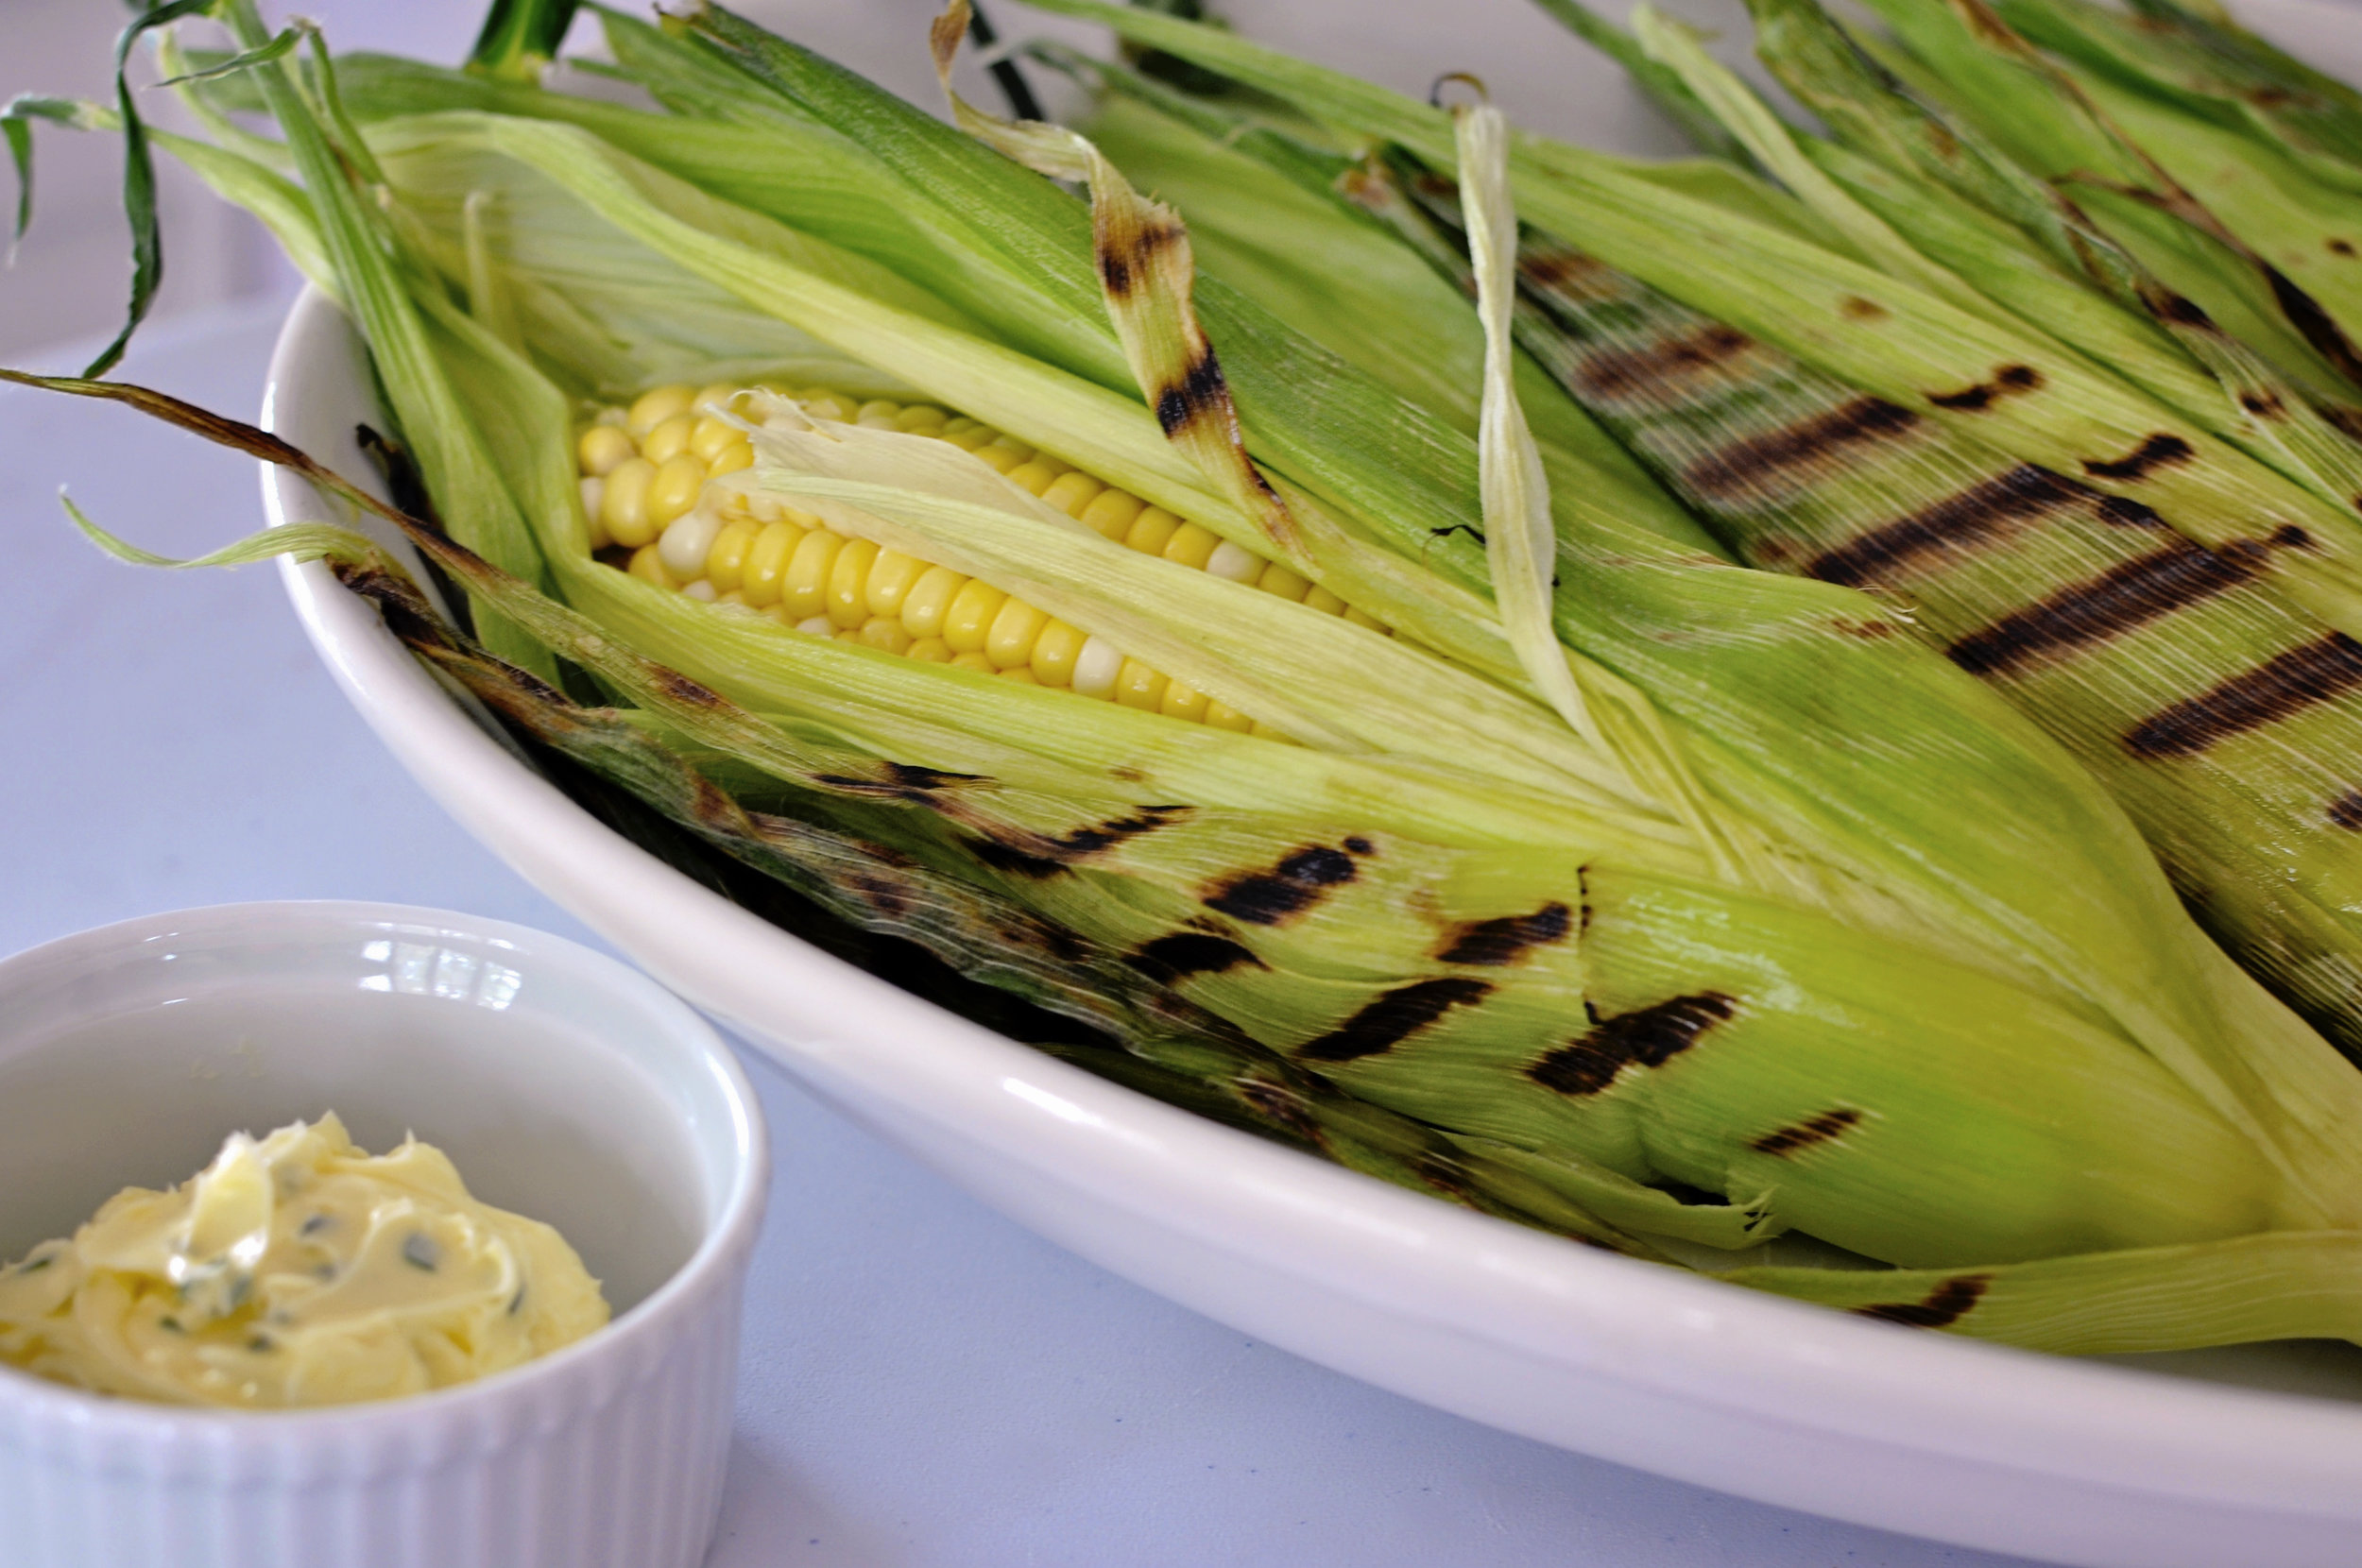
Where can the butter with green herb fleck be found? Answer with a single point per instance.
(296, 1270)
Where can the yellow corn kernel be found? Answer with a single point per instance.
(967, 625)
(1001, 459)
(648, 566)
(726, 557)
(918, 418)
(1221, 715)
(1054, 651)
(669, 439)
(1191, 546)
(1072, 492)
(1010, 643)
(1140, 687)
(878, 408)
(673, 489)
(1286, 585)
(716, 398)
(1006, 442)
(928, 604)
(1152, 531)
(653, 407)
(849, 582)
(1036, 476)
(624, 502)
(737, 455)
(1182, 701)
(932, 649)
(1322, 600)
(601, 447)
(891, 576)
(764, 575)
(884, 633)
(959, 422)
(846, 633)
(1359, 619)
(975, 661)
(805, 588)
(1021, 674)
(1111, 512)
(710, 435)
(973, 438)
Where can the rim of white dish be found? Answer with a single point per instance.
(731, 1231)
(1652, 1328)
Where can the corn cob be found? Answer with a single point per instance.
(646, 472)
(1940, 1008)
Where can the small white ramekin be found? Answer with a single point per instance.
(563, 1085)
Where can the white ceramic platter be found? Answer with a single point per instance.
(2169, 1466)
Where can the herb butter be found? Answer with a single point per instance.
(296, 1270)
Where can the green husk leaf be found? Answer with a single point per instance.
(1520, 542)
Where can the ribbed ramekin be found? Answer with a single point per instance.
(563, 1085)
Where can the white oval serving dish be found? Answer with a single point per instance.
(2075, 1462)
(563, 1085)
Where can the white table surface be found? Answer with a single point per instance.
(922, 1383)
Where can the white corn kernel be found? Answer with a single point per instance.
(1239, 566)
(686, 542)
(1096, 666)
(700, 590)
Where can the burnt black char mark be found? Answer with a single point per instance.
(2010, 378)
(2022, 497)
(1659, 371)
(1946, 1305)
(1803, 1135)
(2099, 609)
(1648, 1038)
(1498, 942)
(1300, 881)
(2158, 451)
(1394, 1017)
(1801, 452)
(2320, 671)
(1180, 955)
(1031, 854)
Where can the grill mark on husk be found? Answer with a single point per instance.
(1498, 942)
(1297, 882)
(1991, 509)
(1804, 451)
(2122, 599)
(1946, 1305)
(1180, 955)
(1394, 1017)
(1828, 1125)
(2321, 670)
(1647, 1037)
(2158, 451)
